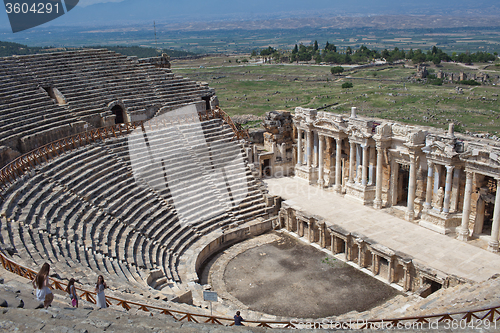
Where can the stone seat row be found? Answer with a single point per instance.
(37, 117)
(35, 246)
(194, 197)
(51, 232)
(163, 240)
(46, 110)
(31, 129)
(131, 224)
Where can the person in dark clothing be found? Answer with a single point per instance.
(238, 319)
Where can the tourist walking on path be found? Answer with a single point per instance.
(42, 286)
(71, 290)
(238, 319)
(99, 289)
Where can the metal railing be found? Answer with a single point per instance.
(473, 319)
(239, 133)
(21, 164)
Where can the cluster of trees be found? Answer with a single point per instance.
(474, 57)
(9, 49)
(330, 54)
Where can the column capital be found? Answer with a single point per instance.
(449, 168)
(430, 164)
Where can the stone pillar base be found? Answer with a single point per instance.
(493, 246)
(463, 235)
(337, 188)
(377, 204)
(409, 216)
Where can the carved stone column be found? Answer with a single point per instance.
(390, 270)
(447, 191)
(455, 189)
(378, 185)
(361, 260)
(364, 174)
(463, 231)
(299, 147)
(315, 164)
(321, 162)
(309, 231)
(407, 277)
(375, 264)
(357, 173)
(338, 167)
(428, 190)
(437, 169)
(394, 183)
(352, 157)
(333, 243)
(410, 213)
(310, 148)
(493, 243)
(322, 234)
(371, 166)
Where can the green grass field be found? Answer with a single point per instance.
(382, 92)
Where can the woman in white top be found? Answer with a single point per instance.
(42, 286)
(99, 289)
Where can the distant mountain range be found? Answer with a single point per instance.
(133, 12)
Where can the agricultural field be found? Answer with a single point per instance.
(388, 92)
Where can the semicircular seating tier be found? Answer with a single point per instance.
(45, 97)
(128, 213)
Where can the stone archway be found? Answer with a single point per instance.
(118, 112)
(118, 109)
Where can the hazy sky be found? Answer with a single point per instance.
(96, 13)
(85, 3)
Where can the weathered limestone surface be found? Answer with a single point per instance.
(46, 96)
(417, 172)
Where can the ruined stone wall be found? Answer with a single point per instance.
(278, 140)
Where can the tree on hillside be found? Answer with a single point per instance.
(418, 57)
(337, 70)
(409, 55)
(330, 47)
(315, 48)
(317, 57)
(267, 52)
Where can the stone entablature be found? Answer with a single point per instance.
(444, 181)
